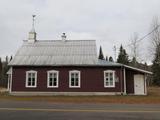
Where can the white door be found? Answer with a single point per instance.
(139, 84)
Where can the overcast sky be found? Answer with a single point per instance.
(109, 22)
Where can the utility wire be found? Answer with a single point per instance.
(143, 36)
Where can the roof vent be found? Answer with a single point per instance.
(64, 37)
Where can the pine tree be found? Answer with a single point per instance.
(6, 59)
(101, 54)
(11, 58)
(106, 58)
(123, 56)
(156, 67)
(110, 59)
(134, 62)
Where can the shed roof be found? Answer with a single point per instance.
(56, 52)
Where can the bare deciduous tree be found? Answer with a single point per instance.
(134, 48)
(155, 37)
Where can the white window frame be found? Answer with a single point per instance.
(52, 71)
(31, 71)
(79, 78)
(109, 71)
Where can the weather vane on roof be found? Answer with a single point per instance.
(33, 20)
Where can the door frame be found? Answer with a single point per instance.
(144, 84)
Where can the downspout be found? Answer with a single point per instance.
(121, 80)
(145, 85)
(124, 80)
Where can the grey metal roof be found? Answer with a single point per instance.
(107, 63)
(61, 53)
(56, 52)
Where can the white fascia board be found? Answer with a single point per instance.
(137, 69)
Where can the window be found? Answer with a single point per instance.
(109, 78)
(74, 79)
(52, 79)
(31, 78)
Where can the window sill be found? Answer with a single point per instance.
(31, 86)
(109, 86)
(52, 86)
(74, 87)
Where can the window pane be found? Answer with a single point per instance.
(50, 79)
(50, 75)
(29, 75)
(55, 75)
(111, 83)
(72, 81)
(55, 79)
(76, 82)
(76, 75)
(111, 74)
(50, 83)
(29, 83)
(29, 79)
(33, 83)
(107, 83)
(106, 74)
(111, 79)
(72, 75)
(55, 83)
(33, 79)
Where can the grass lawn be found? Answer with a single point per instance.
(153, 97)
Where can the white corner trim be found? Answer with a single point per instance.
(145, 84)
(79, 78)
(109, 71)
(26, 82)
(52, 71)
(10, 86)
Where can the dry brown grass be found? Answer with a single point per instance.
(154, 91)
(153, 97)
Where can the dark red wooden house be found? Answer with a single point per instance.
(70, 67)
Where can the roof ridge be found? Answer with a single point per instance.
(58, 40)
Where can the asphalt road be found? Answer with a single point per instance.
(18, 110)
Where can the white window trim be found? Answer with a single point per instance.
(79, 78)
(52, 71)
(109, 86)
(31, 71)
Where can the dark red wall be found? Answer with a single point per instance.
(92, 79)
(129, 81)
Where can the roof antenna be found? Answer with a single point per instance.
(33, 20)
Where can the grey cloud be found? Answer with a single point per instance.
(110, 22)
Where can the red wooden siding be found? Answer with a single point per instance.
(92, 79)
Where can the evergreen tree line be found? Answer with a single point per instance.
(3, 71)
(101, 56)
(123, 58)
